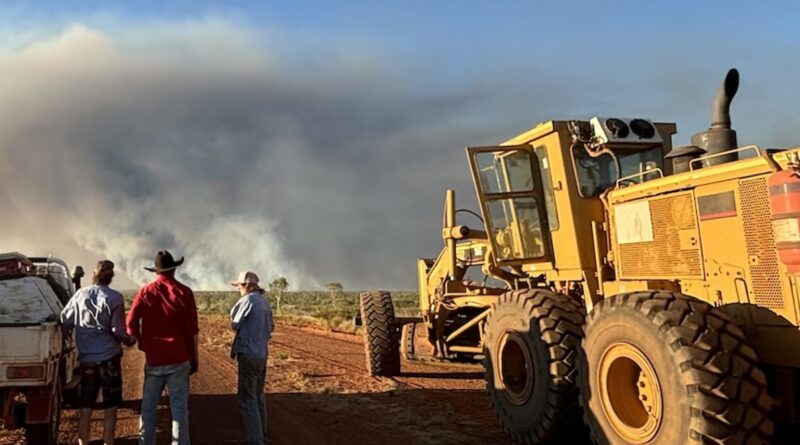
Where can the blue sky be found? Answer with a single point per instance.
(446, 42)
(325, 133)
(469, 31)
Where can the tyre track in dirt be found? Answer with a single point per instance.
(319, 392)
(337, 363)
(448, 382)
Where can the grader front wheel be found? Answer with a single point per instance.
(664, 369)
(532, 347)
(381, 334)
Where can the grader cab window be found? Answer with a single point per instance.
(547, 187)
(505, 172)
(597, 174)
(641, 162)
(511, 194)
(517, 228)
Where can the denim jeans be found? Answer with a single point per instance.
(252, 404)
(176, 379)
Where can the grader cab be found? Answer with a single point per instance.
(646, 294)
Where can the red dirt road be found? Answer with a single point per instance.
(317, 393)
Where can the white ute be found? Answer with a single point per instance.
(37, 362)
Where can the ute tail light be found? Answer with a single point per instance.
(26, 372)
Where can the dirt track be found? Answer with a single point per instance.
(318, 393)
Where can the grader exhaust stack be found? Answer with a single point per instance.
(720, 137)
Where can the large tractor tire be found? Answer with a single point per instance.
(663, 368)
(381, 334)
(532, 342)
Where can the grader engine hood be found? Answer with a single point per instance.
(708, 229)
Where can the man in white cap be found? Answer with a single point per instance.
(251, 318)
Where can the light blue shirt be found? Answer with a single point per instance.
(97, 313)
(251, 318)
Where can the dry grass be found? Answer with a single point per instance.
(299, 381)
(388, 385)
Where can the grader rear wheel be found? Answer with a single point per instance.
(532, 346)
(664, 369)
(381, 334)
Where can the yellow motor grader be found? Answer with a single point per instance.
(645, 293)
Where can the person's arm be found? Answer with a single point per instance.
(118, 327)
(118, 320)
(240, 312)
(133, 321)
(194, 330)
(270, 321)
(68, 315)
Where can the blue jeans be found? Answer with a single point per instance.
(252, 404)
(176, 379)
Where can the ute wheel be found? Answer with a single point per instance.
(47, 433)
(381, 334)
(532, 346)
(663, 368)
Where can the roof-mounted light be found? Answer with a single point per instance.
(626, 132)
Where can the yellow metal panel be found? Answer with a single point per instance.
(618, 287)
(532, 134)
(425, 292)
(671, 254)
(566, 251)
(723, 244)
(762, 257)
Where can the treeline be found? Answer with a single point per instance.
(327, 305)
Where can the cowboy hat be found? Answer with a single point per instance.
(164, 262)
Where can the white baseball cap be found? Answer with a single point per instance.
(245, 277)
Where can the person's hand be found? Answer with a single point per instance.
(193, 368)
(129, 340)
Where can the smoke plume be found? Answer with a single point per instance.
(240, 152)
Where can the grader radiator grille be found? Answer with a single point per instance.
(761, 253)
(664, 255)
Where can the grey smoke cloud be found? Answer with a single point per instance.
(219, 154)
(196, 137)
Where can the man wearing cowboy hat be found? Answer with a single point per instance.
(251, 318)
(163, 318)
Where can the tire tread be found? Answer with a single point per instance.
(560, 321)
(727, 392)
(381, 334)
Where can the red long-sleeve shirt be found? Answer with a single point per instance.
(163, 318)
